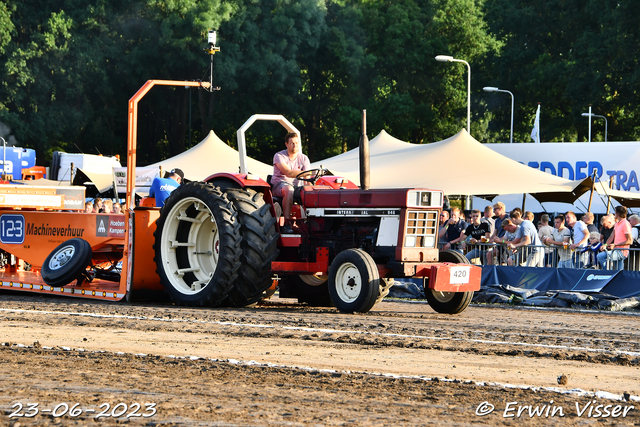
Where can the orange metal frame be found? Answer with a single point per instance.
(129, 236)
(139, 233)
(41, 231)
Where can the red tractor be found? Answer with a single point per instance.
(219, 242)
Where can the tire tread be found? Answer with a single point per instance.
(259, 246)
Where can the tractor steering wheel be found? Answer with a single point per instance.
(315, 174)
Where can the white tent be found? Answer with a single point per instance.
(459, 165)
(211, 156)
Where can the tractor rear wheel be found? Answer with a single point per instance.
(259, 246)
(66, 262)
(449, 302)
(197, 245)
(354, 281)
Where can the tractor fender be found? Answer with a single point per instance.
(225, 181)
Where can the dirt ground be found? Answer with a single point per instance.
(65, 361)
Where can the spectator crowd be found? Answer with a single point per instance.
(497, 237)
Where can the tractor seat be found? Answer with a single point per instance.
(296, 195)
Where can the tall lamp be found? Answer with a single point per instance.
(495, 89)
(445, 58)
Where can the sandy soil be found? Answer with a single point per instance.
(286, 364)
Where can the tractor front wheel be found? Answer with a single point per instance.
(449, 302)
(354, 281)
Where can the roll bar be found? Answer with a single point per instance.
(242, 143)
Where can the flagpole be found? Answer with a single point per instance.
(589, 122)
(539, 128)
(535, 133)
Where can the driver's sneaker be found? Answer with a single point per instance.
(286, 229)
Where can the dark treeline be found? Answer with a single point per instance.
(68, 68)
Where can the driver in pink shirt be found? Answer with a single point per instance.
(287, 165)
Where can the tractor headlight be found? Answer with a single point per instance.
(424, 199)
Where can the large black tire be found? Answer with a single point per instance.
(449, 302)
(66, 262)
(259, 246)
(452, 256)
(354, 281)
(197, 245)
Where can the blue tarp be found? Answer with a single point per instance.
(619, 283)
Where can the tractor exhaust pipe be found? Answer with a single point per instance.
(364, 154)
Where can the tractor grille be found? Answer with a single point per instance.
(421, 229)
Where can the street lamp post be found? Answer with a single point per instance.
(606, 124)
(4, 157)
(445, 58)
(495, 89)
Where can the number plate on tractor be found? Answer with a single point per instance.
(459, 275)
(449, 277)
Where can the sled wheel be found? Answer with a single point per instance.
(354, 281)
(259, 246)
(449, 302)
(197, 245)
(66, 262)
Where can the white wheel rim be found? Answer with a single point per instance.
(202, 246)
(443, 296)
(348, 282)
(60, 258)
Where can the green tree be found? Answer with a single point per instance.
(333, 93)
(260, 68)
(6, 26)
(166, 40)
(70, 68)
(414, 97)
(566, 54)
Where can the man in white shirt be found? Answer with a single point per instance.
(580, 234)
(561, 236)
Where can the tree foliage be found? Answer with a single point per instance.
(567, 54)
(68, 68)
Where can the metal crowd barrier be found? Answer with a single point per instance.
(500, 254)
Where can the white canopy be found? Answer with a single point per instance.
(211, 156)
(458, 165)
